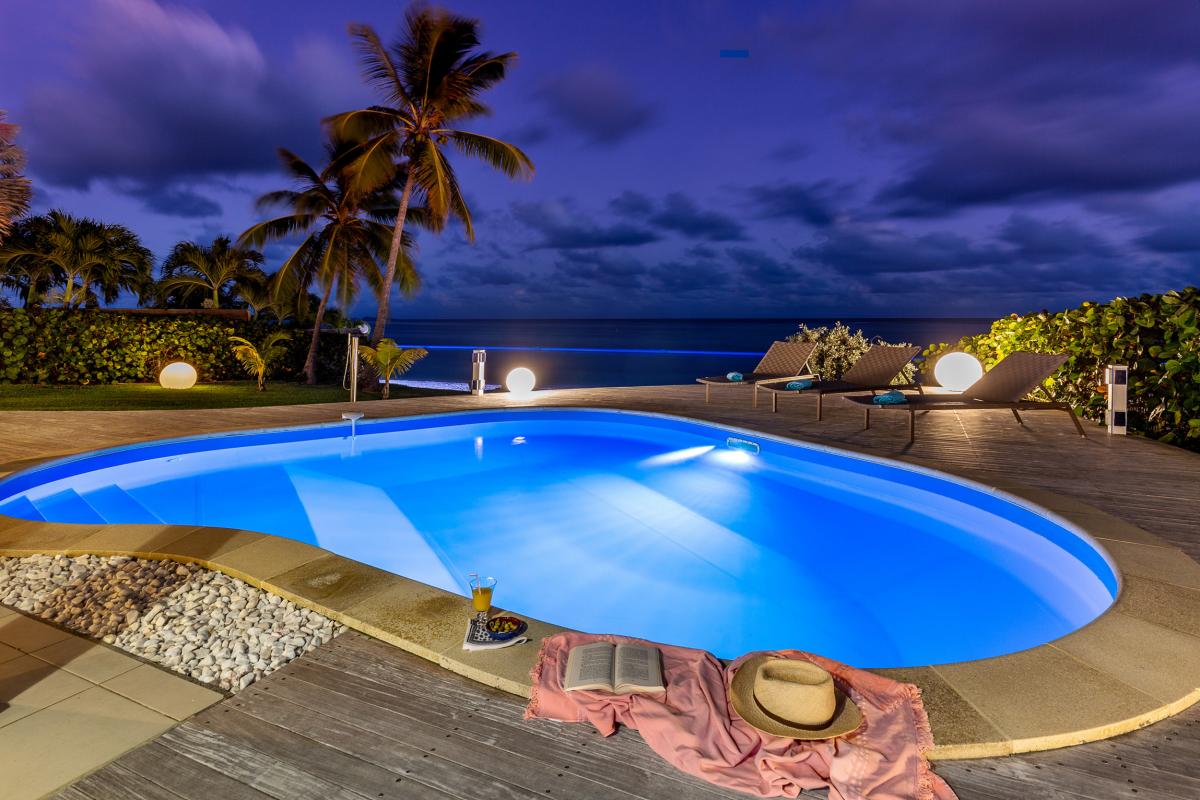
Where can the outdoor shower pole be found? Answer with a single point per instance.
(353, 357)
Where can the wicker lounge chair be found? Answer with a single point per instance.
(1005, 385)
(875, 371)
(783, 362)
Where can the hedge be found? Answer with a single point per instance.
(82, 347)
(1157, 336)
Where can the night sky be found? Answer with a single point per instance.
(868, 157)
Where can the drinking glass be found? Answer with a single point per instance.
(481, 596)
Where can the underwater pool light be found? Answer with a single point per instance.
(745, 445)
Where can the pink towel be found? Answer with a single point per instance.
(692, 726)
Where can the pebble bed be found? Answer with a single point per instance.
(206, 625)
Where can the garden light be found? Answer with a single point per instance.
(177, 375)
(957, 371)
(520, 382)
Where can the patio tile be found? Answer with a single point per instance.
(268, 556)
(1159, 661)
(334, 582)
(135, 538)
(87, 659)
(8, 653)
(28, 684)
(38, 536)
(160, 690)
(953, 720)
(1106, 527)
(1165, 564)
(1014, 693)
(421, 619)
(29, 634)
(60, 744)
(5, 611)
(1164, 604)
(208, 543)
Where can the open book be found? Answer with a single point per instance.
(620, 669)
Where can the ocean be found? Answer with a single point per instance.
(572, 353)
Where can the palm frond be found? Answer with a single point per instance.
(377, 65)
(498, 154)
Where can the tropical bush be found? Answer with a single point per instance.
(839, 348)
(80, 347)
(1156, 336)
(257, 360)
(390, 361)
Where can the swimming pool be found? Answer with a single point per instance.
(646, 525)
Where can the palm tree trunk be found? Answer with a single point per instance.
(310, 363)
(389, 272)
(216, 297)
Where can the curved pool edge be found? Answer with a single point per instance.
(1127, 669)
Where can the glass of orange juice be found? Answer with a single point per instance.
(481, 595)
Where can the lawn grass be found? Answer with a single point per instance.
(151, 396)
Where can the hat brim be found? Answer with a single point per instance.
(845, 720)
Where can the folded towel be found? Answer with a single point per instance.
(797, 385)
(891, 398)
(734, 377)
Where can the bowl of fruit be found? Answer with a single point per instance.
(505, 628)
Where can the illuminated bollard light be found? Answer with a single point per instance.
(1116, 379)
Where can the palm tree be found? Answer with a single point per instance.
(15, 190)
(220, 267)
(430, 79)
(89, 259)
(31, 278)
(257, 360)
(344, 237)
(388, 360)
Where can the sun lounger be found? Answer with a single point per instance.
(1006, 385)
(785, 361)
(875, 371)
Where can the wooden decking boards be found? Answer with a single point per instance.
(359, 719)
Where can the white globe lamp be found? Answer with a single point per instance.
(177, 375)
(956, 371)
(520, 382)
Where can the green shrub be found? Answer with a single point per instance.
(84, 347)
(1156, 336)
(839, 348)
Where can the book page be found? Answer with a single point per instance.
(638, 668)
(590, 666)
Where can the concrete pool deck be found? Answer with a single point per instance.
(1137, 664)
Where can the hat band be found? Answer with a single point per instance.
(840, 701)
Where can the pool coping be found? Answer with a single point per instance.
(1136, 664)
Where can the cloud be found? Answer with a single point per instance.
(872, 249)
(597, 103)
(175, 201)
(562, 228)
(813, 203)
(789, 152)
(997, 102)
(156, 94)
(680, 214)
(1038, 241)
(1179, 233)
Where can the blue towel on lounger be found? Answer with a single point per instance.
(798, 385)
(734, 377)
(891, 398)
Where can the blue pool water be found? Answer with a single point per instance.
(628, 523)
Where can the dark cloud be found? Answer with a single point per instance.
(680, 278)
(680, 214)
(867, 250)
(1038, 241)
(482, 275)
(161, 93)
(596, 102)
(763, 270)
(1009, 101)
(1178, 234)
(529, 135)
(175, 201)
(813, 203)
(562, 228)
(790, 151)
(590, 270)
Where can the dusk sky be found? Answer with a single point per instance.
(868, 157)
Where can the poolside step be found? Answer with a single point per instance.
(21, 508)
(66, 506)
(114, 504)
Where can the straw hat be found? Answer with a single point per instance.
(791, 698)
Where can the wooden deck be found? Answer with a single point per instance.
(358, 719)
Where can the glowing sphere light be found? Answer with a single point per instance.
(957, 371)
(520, 382)
(177, 375)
